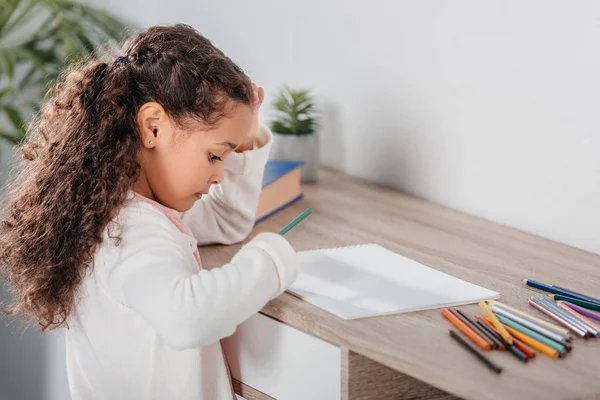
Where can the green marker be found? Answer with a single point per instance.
(295, 222)
(534, 335)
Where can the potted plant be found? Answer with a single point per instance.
(38, 38)
(295, 129)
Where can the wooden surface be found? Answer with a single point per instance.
(347, 211)
(365, 379)
(248, 392)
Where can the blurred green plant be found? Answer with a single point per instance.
(38, 39)
(295, 113)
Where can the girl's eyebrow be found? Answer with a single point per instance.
(229, 144)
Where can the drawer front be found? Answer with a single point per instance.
(283, 362)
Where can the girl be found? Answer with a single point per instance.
(94, 239)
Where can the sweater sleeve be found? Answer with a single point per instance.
(227, 214)
(190, 310)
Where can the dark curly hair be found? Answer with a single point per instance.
(80, 158)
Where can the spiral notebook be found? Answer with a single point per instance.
(369, 280)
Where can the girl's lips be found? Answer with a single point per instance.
(198, 196)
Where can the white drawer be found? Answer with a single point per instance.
(283, 362)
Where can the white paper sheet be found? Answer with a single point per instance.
(369, 280)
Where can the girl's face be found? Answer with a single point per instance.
(179, 166)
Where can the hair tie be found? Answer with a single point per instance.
(121, 60)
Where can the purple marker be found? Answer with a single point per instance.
(583, 311)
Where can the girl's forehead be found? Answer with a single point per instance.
(233, 128)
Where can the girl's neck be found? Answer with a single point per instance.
(142, 187)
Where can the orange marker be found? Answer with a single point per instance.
(550, 352)
(499, 327)
(516, 342)
(479, 341)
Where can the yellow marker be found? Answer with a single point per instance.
(533, 343)
(490, 315)
(531, 317)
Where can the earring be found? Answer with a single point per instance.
(151, 143)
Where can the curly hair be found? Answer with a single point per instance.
(80, 158)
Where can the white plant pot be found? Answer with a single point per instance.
(303, 148)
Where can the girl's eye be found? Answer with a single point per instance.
(214, 158)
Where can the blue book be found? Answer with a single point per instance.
(281, 187)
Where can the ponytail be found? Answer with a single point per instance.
(81, 161)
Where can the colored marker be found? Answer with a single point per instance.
(580, 295)
(466, 319)
(475, 351)
(533, 343)
(466, 330)
(580, 303)
(497, 339)
(552, 306)
(517, 344)
(560, 318)
(557, 337)
(531, 317)
(551, 289)
(593, 328)
(511, 348)
(503, 332)
(584, 311)
(534, 335)
(295, 221)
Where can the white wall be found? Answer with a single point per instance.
(32, 363)
(491, 108)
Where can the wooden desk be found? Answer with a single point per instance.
(410, 355)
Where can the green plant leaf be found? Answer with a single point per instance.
(4, 92)
(49, 30)
(37, 39)
(36, 57)
(48, 56)
(294, 113)
(113, 28)
(280, 127)
(12, 138)
(7, 10)
(29, 77)
(7, 63)
(20, 28)
(15, 117)
(88, 46)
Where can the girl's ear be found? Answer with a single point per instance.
(155, 126)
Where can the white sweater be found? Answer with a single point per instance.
(148, 321)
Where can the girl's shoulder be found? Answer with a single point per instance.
(129, 242)
(138, 219)
(138, 227)
(136, 208)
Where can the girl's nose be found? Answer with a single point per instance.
(218, 177)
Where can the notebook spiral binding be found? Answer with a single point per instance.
(352, 246)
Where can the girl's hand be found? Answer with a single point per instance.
(248, 144)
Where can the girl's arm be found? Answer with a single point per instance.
(190, 309)
(228, 213)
